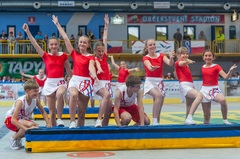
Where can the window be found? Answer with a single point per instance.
(161, 32)
(191, 31)
(133, 34)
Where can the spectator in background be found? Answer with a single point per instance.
(18, 43)
(169, 77)
(11, 41)
(186, 36)
(220, 41)
(178, 37)
(53, 35)
(45, 37)
(3, 38)
(80, 33)
(4, 79)
(202, 36)
(39, 36)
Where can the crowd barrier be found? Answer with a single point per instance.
(127, 46)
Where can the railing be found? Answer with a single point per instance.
(25, 46)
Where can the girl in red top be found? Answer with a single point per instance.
(103, 88)
(153, 65)
(40, 78)
(80, 84)
(210, 88)
(187, 91)
(54, 87)
(123, 71)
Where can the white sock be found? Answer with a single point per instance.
(154, 120)
(189, 117)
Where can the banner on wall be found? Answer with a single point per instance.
(115, 46)
(175, 18)
(12, 66)
(161, 46)
(194, 47)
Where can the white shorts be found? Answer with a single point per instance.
(120, 84)
(184, 87)
(152, 82)
(51, 85)
(209, 93)
(102, 84)
(82, 84)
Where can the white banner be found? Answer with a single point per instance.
(161, 46)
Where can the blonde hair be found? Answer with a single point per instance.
(181, 50)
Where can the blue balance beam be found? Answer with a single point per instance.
(91, 113)
(58, 139)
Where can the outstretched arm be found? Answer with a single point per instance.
(26, 75)
(105, 33)
(113, 62)
(33, 41)
(133, 69)
(229, 74)
(63, 34)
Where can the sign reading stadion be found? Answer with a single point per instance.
(175, 18)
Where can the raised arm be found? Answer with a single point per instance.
(105, 32)
(33, 41)
(26, 75)
(63, 34)
(113, 62)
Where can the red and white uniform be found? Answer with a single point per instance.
(185, 79)
(104, 78)
(122, 76)
(128, 104)
(154, 78)
(40, 81)
(81, 79)
(210, 87)
(25, 113)
(55, 71)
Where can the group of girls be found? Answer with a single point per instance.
(83, 75)
(91, 75)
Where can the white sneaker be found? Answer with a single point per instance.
(226, 122)
(98, 123)
(19, 143)
(13, 143)
(72, 125)
(60, 122)
(189, 122)
(155, 124)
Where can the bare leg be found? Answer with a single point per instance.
(60, 101)
(82, 105)
(51, 100)
(206, 112)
